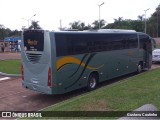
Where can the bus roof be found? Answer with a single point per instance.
(102, 31)
(94, 32)
(115, 30)
(97, 31)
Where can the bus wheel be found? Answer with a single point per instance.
(92, 82)
(139, 68)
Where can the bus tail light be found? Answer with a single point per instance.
(22, 72)
(49, 77)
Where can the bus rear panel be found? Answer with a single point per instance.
(36, 67)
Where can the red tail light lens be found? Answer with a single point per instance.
(49, 77)
(22, 72)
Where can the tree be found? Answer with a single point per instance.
(88, 27)
(77, 25)
(14, 33)
(140, 17)
(126, 24)
(82, 25)
(1, 31)
(118, 22)
(35, 25)
(102, 23)
(153, 23)
(137, 25)
(96, 24)
(151, 27)
(4, 32)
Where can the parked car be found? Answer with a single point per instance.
(156, 55)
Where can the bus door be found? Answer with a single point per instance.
(145, 44)
(148, 53)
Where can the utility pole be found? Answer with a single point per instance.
(60, 24)
(157, 24)
(29, 19)
(145, 21)
(99, 14)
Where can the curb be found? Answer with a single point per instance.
(10, 75)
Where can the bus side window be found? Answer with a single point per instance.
(62, 44)
(142, 40)
(131, 41)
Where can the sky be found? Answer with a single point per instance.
(15, 13)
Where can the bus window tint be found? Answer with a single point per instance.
(131, 41)
(143, 39)
(77, 44)
(62, 45)
(33, 41)
(70, 44)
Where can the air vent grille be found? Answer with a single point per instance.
(34, 57)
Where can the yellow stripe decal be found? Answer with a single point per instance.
(68, 60)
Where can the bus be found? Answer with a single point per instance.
(59, 62)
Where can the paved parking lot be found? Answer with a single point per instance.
(5, 56)
(13, 97)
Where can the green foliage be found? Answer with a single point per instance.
(137, 25)
(35, 25)
(153, 23)
(6, 32)
(96, 24)
(78, 25)
(10, 66)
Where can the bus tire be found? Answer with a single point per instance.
(92, 82)
(139, 68)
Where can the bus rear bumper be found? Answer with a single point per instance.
(37, 88)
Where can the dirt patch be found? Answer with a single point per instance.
(6, 56)
(13, 97)
(100, 105)
(155, 65)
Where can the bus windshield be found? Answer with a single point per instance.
(33, 40)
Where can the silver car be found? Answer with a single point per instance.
(156, 55)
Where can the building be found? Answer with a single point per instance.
(12, 44)
(1, 45)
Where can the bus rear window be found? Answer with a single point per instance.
(33, 40)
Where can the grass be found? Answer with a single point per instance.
(10, 66)
(125, 95)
